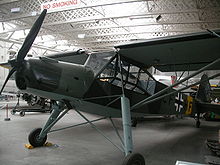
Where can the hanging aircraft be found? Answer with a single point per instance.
(119, 85)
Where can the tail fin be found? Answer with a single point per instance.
(203, 93)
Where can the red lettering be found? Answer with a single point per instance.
(54, 5)
(64, 4)
(73, 2)
(47, 6)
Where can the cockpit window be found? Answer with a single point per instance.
(97, 61)
(134, 78)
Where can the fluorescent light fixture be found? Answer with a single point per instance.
(15, 10)
(81, 35)
(140, 17)
(33, 13)
(158, 18)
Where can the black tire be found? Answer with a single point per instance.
(134, 159)
(34, 140)
(22, 113)
(13, 112)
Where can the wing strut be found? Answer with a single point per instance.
(146, 101)
(213, 33)
(177, 91)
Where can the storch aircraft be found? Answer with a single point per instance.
(118, 84)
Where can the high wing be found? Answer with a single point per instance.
(177, 53)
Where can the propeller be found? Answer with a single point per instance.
(17, 63)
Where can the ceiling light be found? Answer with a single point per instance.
(158, 18)
(81, 35)
(34, 13)
(15, 10)
(140, 17)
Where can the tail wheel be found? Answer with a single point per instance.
(134, 159)
(34, 139)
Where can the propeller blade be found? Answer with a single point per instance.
(31, 37)
(9, 75)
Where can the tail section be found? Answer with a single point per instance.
(193, 105)
(203, 97)
(190, 102)
(203, 93)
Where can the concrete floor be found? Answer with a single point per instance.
(160, 141)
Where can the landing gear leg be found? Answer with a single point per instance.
(38, 136)
(198, 120)
(130, 158)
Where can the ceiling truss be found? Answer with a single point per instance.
(105, 24)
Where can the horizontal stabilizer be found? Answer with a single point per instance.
(204, 90)
(208, 107)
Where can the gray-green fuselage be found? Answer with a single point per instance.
(54, 77)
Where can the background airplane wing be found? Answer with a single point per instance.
(77, 57)
(5, 65)
(177, 53)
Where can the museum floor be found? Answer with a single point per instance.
(161, 141)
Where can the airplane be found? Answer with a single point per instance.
(115, 84)
(35, 104)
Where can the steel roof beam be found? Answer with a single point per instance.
(34, 45)
(3, 2)
(89, 19)
(26, 15)
(136, 25)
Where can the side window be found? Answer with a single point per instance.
(134, 78)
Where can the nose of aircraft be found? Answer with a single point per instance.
(21, 83)
(20, 78)
(17, 64)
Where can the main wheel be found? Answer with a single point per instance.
(22, 113)
(34, 139)
(134, 159)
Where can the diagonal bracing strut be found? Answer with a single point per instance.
(143, 102)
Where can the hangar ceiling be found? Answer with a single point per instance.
(98, 25)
